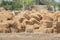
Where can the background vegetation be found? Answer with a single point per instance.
(16, 4)
(23, 4)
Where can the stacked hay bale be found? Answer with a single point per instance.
(34, 21)
(5, 15)
(30, 21)
(6, 20)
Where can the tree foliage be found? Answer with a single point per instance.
(16, 4)
(19, 4)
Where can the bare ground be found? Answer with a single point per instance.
(29, 36)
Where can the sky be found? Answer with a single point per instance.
(6, 0)
(11, 0)
(57, 0)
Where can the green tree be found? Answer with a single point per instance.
(17, 4)
(6, 4)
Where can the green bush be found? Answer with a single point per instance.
(13, 5)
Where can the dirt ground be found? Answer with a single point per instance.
(29, 36)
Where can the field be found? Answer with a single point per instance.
(29, 36)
